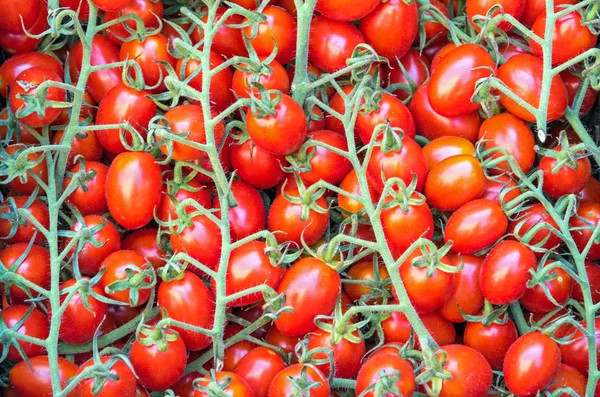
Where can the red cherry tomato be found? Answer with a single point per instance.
(194, 239)
(279, 28)
(91, 256)
(347, 354)
(89, 197)
(230, 383)
(116, 267)
(576, 351)
(586, 219)
(34, 267)
(33, 379)
(331, 43)
(535, 299)
(471, 373)
(530, 217)
(345, 11)
(492, 341)
(465, 293)
(16, 16)
(125, 383)
(375, 367)
(151, 54)
(417, 69)
(481, 8)
(282, 385)
(258, 368)
(443, 147)
(24, 231)
(78, 323)
(565, 180)
(256, 166)
(13, 66)
(35, 325)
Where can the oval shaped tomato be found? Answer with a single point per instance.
(530, 217)
(402, 228)
(374, 369)
(230, 383)
(481, 8)
(311, 288)
(417, 69)
(351, 185)
(283, 384)
(249, 216)
(569, 377)
(391, 28)
(331, 43)
(465, 293)
(34, 379)
(535, 299)
(190, 301)
(277, 79)
(565, 180)
(35, 325)
(570, 37)
(279, 28)
(103, 51)
(134, 180)
(285, 217)
(124, 384)
(593, 274)
(89, 198)
(324, 164)
(34, 267)
(148, 11)
(192, 190)
(433, 125)
(123, 104)
(364, 271)
(576, 351)
(145, 358)
(227, 41)
(90, 256)
(256, 166)
(194, 240)
(531, 363)
(16, 16)
(492, 341)
(453, 81)
(392, 112)
(27, 83)
(498, 186)
(78, 323)
(471, 373)
(443, 147)
(345, 11)
(346, 354)
(258, 368)
(116, 267)
(24, 230)
(462, 173)
(586, 220)
(573, 83)
(505, 272)
(281, 133)
(510, 133)
(522, 74)
(13, 66)
(475, 226)
(151, 54)
(407, 163)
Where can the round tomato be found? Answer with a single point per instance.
(471, 373)
(194, 240)
(475, 226)
(34, 267)
(346, 354)
(227, 41)
(119, 380)
(443, 147)
(531, 363)
(34, 379)
(331, 43)
(279, 28)
(492, 341)
(122, 280)
(134, 180)
(481, 9)
(249, 216)
(324, 164)
(530, 217)
(151, 54)
(91, 256)
(465, 293)
(23, 229)
(78, 323)
(231, 384)
(283, 384)
(560, 287)
(391, 28)
(351, 185)
(416, 67)
(89, 197)
(35, 325)
(522, 74)
(256, 166)
(567, 179)
(391, 112)
(13, 66)
(586, 220)
(311, 289)
(258, 368)
(276, 79)
(379, 365)
(505, 272)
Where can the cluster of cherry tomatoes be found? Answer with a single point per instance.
(298, 198)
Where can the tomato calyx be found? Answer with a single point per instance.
(37, 102)
(280, 254)
(403, 196)
(307, 198)
(265, 103)
(339, 326)
(216, 386)
(20, 164)
(8, 338)
(432, 258)
(433, 373)
(101, 371)
(489, 315)
(159, 335)
(136, 279)
(565, 155)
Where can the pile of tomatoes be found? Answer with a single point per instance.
(299, 198)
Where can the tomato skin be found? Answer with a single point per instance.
(331, 43)
(282, 385)
(371, 373)
(87, 145)
(405, 164)
(103, 52)
(249, 266)
(257, 167)
(481, 7)
(287, 343)
(24, 232)
(465, 292)
(391, 110)
(284, 216)
(453, 81)
(134, 180)
(346, 355)
(282, 133)
(148, 53)
(505, 272)
(325, 164)
(167, 209)
(36, 381)
(236, 386)
(41, 170)
(401, 228)
(492, 341)
(114, 267)
(258, 368)
(311, 288)
(345, 11)
(249, 216)
(27, 83)
(279, 27)
(433, 125)
(398, 20)
(593, 274)
(570, 377)
(276, 80)
(35, 325)
(531, 363)
(590, 212)
(500, 184)
(532, 216)
(566, 180)
(350, 184)
(440, 54)
(15, 16)
(462, 173)
(397, 328)
(573, 83)
(19, 42)
(227, 41)
(35, 267)
(471, 373)
(512, 134)
(435, 31)
(365, 271)
(560, 288)
(145, 358)
(125, 385)
(443, 147)
(144, 243)
(92, 200)
(148, 11)
(90, 257)
(536, 8)
(476, 225)
(194, 239)
(110, 5)
(569, 37)
(576, 352)
(417, 68)
(78, 323)
(13, 66)
(522, 74)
